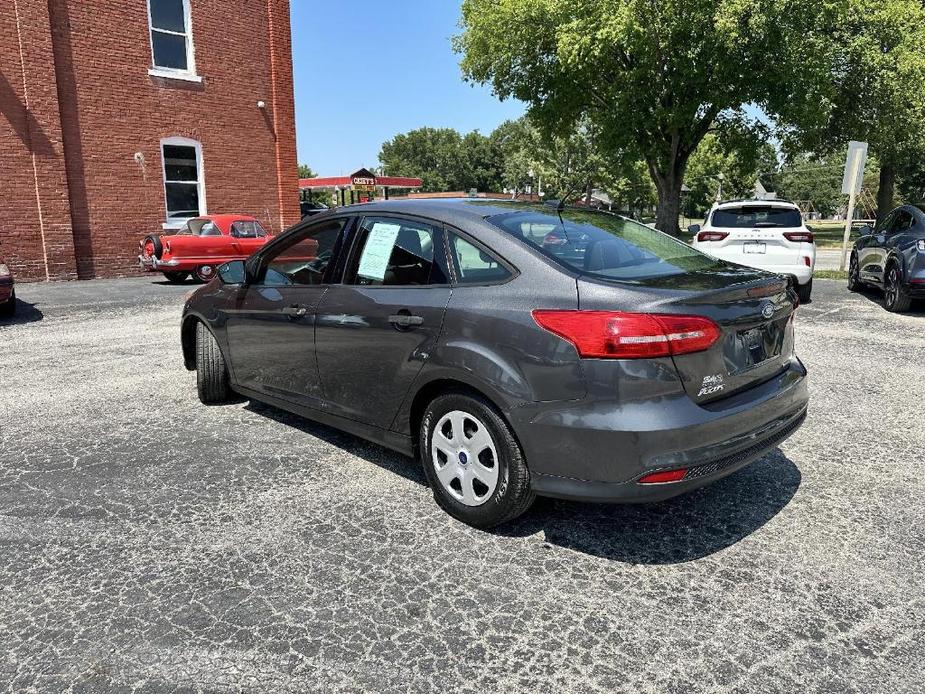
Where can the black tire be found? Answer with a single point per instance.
(211, 370)
(805, 292)
(854, 274)
(176, 277)
(512, 495)
(204, 273)
(158, 246)
(895, 298)
(8, 308)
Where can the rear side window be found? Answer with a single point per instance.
(756, 217)
(473, 265)
(398, 252)
(601, 244)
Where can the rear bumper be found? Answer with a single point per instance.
(154, 265)
(6, 291)
(793, 263)
(596, 449)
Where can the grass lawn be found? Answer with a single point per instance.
(829, 234)
(831, 274)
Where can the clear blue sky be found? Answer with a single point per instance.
(366, 71)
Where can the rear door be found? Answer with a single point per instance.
(375, 331)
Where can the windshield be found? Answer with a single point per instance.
(753, 216)
(601, 244)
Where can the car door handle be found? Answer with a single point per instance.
(405, 320)
(294, 312)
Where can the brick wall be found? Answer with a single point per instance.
(101, 163)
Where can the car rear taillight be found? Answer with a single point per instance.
(799, 236)
(711, 235)
(920, 245)
(617, 335)
(663, 477)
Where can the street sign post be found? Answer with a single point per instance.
(851, 186)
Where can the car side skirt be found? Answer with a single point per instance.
(395, 441)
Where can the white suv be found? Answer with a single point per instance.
(766, 234)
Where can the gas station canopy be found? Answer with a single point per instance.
(363, 183)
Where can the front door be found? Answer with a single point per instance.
(271, 332)
(375, 331)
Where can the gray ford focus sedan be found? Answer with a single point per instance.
(515, 349)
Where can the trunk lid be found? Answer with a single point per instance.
(754, 313)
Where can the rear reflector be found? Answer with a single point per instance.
(799, 236)
(617, 335)
(663, 477)
(711, 236)
(807, 261)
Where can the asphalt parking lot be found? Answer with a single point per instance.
(150, 543)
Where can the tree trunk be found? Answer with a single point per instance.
(668, 183)
(885, 191)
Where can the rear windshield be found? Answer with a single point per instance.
(753, 216)
(603, 245)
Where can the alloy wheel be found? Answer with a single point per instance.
(464, 457)
(891, 290)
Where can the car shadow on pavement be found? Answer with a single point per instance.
(361, 448)
(682, 529)
(688, 527)
(25, 313)
(875, 296)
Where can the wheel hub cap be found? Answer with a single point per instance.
(465, 458)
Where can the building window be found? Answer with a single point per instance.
(184, 187)
(171, 38)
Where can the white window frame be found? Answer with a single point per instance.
(189, 74)
(180, 222)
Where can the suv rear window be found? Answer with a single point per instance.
(756, 217)
(601, 244)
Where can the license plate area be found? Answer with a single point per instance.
(754, 247)
(753, 347)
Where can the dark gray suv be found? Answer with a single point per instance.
(515, 349)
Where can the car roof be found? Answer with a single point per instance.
(447, 209)
(749, 202)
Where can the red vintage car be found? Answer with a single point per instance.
(201, 246)
(7, 293)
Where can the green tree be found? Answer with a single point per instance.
(305, 171)
(739, 158)
(876, 91)
(431, 154)
(654, 78)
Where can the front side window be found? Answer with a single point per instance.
(184, 190)
(398, 252)
(305, 257)
(756, 217)
(247, 229)
(171, 40)
(601, 244)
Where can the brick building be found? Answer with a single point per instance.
(118, 119)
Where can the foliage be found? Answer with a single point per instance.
(739, 157)
(443, 159)
(305, 171)
(653, 78)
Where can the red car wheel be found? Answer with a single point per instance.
(204, 273)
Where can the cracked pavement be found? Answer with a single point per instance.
(151, 544)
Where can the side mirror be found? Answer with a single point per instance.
(866, 230)
(693, 229)
(232, 272)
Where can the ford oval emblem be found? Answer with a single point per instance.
(767, 311)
